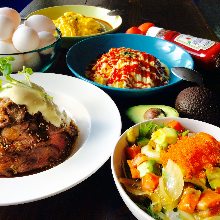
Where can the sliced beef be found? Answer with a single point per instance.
(28, 143)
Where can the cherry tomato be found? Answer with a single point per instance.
(134, 30)
(145, 26)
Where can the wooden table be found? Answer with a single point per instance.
(97, 197)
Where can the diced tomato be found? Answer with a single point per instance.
(145, 26)
(176, 125)
(149, 182)
(189, 200)
(138, 159)
(132, 151)
(134, 171)
(134, 30)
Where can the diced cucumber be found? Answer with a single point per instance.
(149, 166)
(213, 176)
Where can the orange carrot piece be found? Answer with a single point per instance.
(209, 199)
(134, 171)
(189, 200)
(149, 182)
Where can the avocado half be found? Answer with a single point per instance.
(138, 113)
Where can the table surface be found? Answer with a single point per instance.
(97, 197)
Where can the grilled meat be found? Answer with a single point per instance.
(28, 143)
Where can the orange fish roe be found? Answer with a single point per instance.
(194, 154)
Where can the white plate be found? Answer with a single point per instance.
(99, 123)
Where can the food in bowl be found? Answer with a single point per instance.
(74, 24)
(128, 68)
(172, 172)
(33, 43)
(35, 134)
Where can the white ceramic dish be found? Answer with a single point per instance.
(93, 111)
(118, 157)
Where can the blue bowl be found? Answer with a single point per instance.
(85, 52)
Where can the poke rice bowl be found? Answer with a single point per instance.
(182, 182)
(82, 57)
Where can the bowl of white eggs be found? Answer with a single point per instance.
(33, 42)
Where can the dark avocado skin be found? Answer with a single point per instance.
(136, 113)
(198, 103)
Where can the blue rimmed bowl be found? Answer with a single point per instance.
(86, 52)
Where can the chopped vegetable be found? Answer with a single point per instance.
(208, 199)
(149, 182)
(132, 134)
(142, 141)
(197, 182)
(213, 176)
(133, 186)
(176, 125)
(132, 151)
(146, 129)
(168, 203)
(189, 200)
(173, 179)
(138, 159)
(134, 171)
(186, 216)
(163, 137)
(150, 152)
(146, 167)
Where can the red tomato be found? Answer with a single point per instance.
(134, 30)
(145, 26)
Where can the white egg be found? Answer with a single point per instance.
(32, 60)
(40, 23)
(25, 39)
(7, 47)
(6, 27)
(13, 14)
(20, 25)
(46, 39)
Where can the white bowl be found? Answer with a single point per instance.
(118, 156)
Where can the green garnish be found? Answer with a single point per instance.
(185, 133)
(6, 70)
(146, 129)
(147, 208)
(27, 72)
(5, 66)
